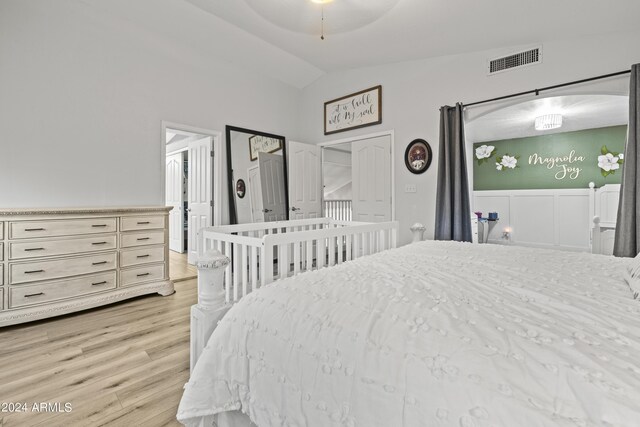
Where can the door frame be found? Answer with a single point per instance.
(216, 137)
(391, 135)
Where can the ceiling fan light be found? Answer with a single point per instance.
(321, 1)
(548, 122)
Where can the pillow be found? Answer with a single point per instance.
(632, 276)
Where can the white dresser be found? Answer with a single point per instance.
(58, 261)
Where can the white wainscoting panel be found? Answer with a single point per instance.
(607, 199)
(556, 219)
(574, 221)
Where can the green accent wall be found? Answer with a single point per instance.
(561, 160)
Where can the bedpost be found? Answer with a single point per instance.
(417, 230)
(211, 300)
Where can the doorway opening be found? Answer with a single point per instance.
(358, 178)
(192, 185)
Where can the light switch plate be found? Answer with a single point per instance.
(410, 188)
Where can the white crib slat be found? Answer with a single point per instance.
(348, 247)
(309, 263)
(227, 273)
(246, 253)
(254, 268)
(296, 257)
(266, 265)
(283, 261)
(322, 256)
(331, 247)
(236, 271)
(356, 246)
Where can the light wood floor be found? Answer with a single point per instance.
(119, 365)
(179, 269)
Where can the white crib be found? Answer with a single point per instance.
(237, 259)
(262, 252)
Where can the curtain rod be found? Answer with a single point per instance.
(537, 91)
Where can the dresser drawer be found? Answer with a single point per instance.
(1, 251)
(129, 240)
(1, 230)
(141, 274)
(20, 296)
(1, 298)
(45, 270)
(132, 223)
(1, 274)
(139, 256)
(63, 227)
(24, 250)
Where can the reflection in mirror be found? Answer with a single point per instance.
(257, 176)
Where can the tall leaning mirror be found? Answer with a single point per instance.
(257, 176)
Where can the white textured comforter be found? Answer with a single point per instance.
(431, 334)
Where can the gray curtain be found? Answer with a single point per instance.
(453, 208)
(627, 243)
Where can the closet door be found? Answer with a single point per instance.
(200, 192)
(175, 197)
(371, 169)
(305, 180)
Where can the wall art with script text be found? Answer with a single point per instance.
(561, 160)
(353, 111)
(263, 144)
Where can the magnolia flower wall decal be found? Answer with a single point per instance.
(484, 152)
(506, 162)
(609, 162)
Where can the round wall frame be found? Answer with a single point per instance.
(418, 156)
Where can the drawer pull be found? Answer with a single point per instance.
(143, 238)
(104, 282)
(34, 271)
(143, 274)
(143, 222)
(144, 256)
(99, 263)
(33, 249)
(34, 229)
(34, 295)
(99, 225)
(99, 243)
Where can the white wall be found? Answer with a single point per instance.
(412, 93)
(83, 94)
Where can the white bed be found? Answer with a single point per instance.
(430, 334)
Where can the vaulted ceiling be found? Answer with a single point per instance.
(285, 42)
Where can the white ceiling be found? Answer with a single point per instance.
(416, 29)
(232, 31)
(578, 111)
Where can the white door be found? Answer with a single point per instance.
(371, 169)
(305, 180)
(274, 203)
(255, 194)
(174, 192)
(200, 192)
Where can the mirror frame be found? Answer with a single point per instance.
(233, 216)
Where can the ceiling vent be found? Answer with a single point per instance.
(516, 60)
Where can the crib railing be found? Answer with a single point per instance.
(340, 210)
(263, 252)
